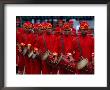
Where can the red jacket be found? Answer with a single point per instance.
(50, 41)
(30, 39)
(90, 33)
(73, 31)
(70, 46)
(87, 45)
(19, 35)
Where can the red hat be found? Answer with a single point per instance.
(36, 26)
(28, 25)
(84, 25)
(49, 25)
(40, 26)
(67, 26)
(44, 25)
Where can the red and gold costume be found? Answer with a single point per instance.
(71, 22)
(87, 46)
(69, 47)
(20, 44)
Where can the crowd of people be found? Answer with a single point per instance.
(42, 49)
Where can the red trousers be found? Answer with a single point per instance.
(32, 66)
(36, 66)
(27, 65)
(21, 63)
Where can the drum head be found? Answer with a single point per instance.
(82, 64)
(45, 56)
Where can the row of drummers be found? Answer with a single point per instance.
(41, 52)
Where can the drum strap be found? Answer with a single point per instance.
(45, 43)
(79, 46)
(62, 43)
(37, 40)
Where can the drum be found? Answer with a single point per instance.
(45, 55)
(34, 56)
(25, 51)
(53, 59)
(67, 64)
(82, 63)
(71, 67)
(30, 54)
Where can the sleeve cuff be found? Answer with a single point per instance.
(22, 44)
(55, 53)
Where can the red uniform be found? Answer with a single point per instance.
(87, 45)
(24, 38)
(19, 57)
(71, 22)
(52, 40)
(46, 41)
(87, 48)
(42, 48)
(28, 61)
(70, 46)
(36, 63)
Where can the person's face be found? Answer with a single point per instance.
(71, 25)
(31, 30)
(60, 24)
(84, 33)
(49, 30)
(67, 32)
(28, 30)
(35, 31)
(57, 33)
(40, 31)
(54, 24)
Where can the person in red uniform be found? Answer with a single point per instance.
(52, 40)
(35, 28)
(86, 47)
(19, 57)
(36, 62)
(32, 65)
(41, 47)
(20, 44)
(60, 25)
(46, 41)
(58, 32)
(25, 42)
(17, 49)
(71, 22)
(68, 47)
